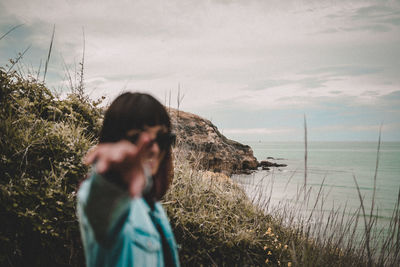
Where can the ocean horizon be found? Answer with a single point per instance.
(331, 167)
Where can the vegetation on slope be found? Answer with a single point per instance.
(42, 142)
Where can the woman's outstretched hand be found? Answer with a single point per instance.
(124, 158)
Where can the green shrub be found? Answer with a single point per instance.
(42, 142)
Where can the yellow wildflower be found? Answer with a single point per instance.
(269, 253)
(268, 232)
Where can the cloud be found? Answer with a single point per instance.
(390, 102)
(253, 134)
(308, 82)
(256, 131)
(344, 70)
(392, 21)
(371, 28)
(392, 96)
(106, 17)
(358, 128)
(254, 57)
(374, 11)
(374, 17)
(341, 128)
(380, 18)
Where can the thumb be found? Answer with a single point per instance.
(137, 184)
(142, 144)
(90, 156)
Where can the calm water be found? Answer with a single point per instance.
(338, 162)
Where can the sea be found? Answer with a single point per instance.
(334, 171)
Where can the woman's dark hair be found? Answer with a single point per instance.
(134, 111)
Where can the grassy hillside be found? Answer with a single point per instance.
(41, 145)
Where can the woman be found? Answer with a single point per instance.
(122, 223)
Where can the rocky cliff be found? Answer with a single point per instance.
(208, 147)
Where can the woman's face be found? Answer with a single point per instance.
(153, 155)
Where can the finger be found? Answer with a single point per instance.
(90, 156)
(142, 143)
(102, 165)
(115, 155)
(137, 184)
(123, 151)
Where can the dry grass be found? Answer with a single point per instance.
(217, 224)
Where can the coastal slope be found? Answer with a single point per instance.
(208, 147)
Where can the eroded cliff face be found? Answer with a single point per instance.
(208, 147)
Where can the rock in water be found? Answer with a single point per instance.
(213, 151)
(266, 164)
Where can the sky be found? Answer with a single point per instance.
(254, 68)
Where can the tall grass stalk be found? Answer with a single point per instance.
(11, 30)
(81, 86)
(305, 155)
(16, 61)
(49, 53)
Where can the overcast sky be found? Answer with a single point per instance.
(254, 68)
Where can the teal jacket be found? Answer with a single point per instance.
(118, 231)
